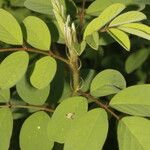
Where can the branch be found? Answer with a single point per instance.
(88, 96)
(81, 16)
(50, 53)
(27, 107)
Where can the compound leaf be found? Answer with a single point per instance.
(106, 16)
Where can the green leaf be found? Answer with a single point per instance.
(133, 100)
(136, 59)
(45, 6)
(107, 82)
(138, 29)
(121, 37)
(6, 126)
(128, 17)
(106, 16)
(30, 94)
(92, 27)
(88, 132)
(41, 6)
(99, 5)
(93, 40)
(4, 95)
(38, 34)
(33, 135)
(1, 3)
(18, 3)
(60, 22)
(66, 92)
(64, 116)
(44, 72)
(87, 76)
(105, 39)
(134, 133)
(80, 47)
(10, 31)
(12, 69)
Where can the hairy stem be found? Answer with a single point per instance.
(88, 96)
(75, 71)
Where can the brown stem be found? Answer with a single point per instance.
(81, 16)
(88, 96)
(27, 107)
(50, 53)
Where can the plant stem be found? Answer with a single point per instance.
(27, 107)
(73, 58)
(49, 53)
(81, 16)
(88, 96)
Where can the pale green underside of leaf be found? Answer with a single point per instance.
(121, 37)
(107, 82)
(89, 132)
(10, 31)
(33, 135)
(12, 69)
(64, 116)
(136, 59)
(128, 17)
(41, 6)
(134, 133)
(93, 40)
(106, 16)
(140, 30)
(30, 94)
(133, 100)
(44, 72)
(6, 126)
(38, 34)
